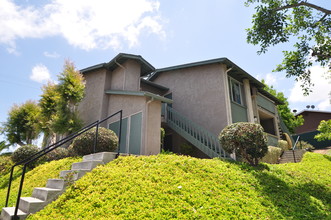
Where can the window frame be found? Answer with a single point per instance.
(232, 95)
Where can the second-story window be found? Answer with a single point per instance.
(236, 92)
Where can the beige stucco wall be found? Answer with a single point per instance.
(153, 132)
(199, 94)
(94, 103)
(126, 77)
(129, 104)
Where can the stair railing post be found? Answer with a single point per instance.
(15, 217)
(293, 149)
(96, 137)
(119, 135)
(9, 184)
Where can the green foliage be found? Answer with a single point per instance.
(48, 104)
(325, 128)
(59, 102)
(3, 145)
(25, 152)
(180, 187)
(71, 91)
(284, 111)
(5, 164)
(162, 136)
(272, 155)
(57, 154)
(34, 178)
(22, 125)
(247, 140)
(279, 21)
(283, 145)
(84, 144)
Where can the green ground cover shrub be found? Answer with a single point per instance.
(181, 187)
(33, 178)
(84, 144)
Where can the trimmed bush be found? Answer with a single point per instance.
(5, 164)
(57, 154)
(246, 139)
(24, 152)
(272, 155)
(283, 145)
(84, 144)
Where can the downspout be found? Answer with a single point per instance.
(146, 124)
(227, 97)
(249, 103)
(228, 104)
(124, 73)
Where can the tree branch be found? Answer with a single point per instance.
(324, 56)
(324, 10)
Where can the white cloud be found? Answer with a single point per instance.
(320, 95)
(51, 55)
(270, 79)
(40, 73)
(83, 23)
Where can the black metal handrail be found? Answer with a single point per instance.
(54, 146)
(293, 149)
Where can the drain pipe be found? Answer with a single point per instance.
(146, 123)
(227, 102)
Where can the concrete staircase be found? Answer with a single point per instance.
(42, 196)
(288, 157)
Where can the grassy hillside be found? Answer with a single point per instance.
(178, 187)
(34, 178)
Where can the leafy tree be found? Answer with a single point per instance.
(325, 128)
(48, 103)
(284, 111)
(279, 21)
(22, 125)
(3, 145)
(70, 92)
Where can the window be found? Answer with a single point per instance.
(236, 92)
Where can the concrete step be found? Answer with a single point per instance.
(8, 213)
(55, 183)
(30, 204)
(86, 165)
(46, 194)
(106, 157)
(76, 174)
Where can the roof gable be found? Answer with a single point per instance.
(121, 58)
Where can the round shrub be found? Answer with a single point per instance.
(57, 154)
(283, 145)
(24, 152)
(84, 144)
(246, 139)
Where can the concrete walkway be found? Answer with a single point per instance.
(322, 151)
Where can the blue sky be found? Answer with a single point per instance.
(37, 36)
